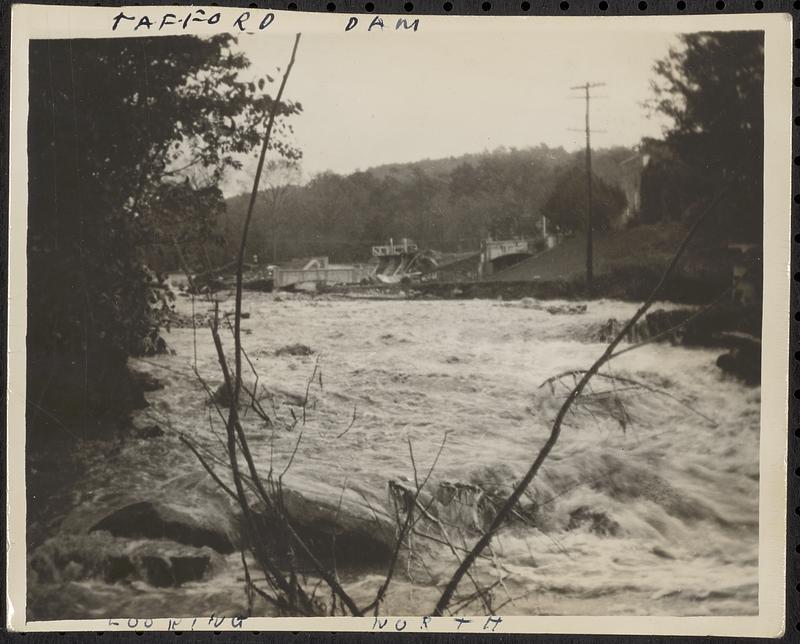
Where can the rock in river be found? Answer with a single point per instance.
(251, 390)
(352, 524)
(101, 556)
(169, 520)
(189, 510)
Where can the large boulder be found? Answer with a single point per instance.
(70, 557)
(351, 526)
(743, 360)
(250, 391)
(170, 520)
(189, 510)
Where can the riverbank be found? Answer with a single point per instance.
(628, 283)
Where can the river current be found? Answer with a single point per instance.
(650, 510)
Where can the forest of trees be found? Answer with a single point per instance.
(127, 141)
(448, 204)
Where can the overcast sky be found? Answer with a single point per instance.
(375, 98)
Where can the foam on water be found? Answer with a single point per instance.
(658, 515)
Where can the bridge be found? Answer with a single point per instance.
(397, 261)
(500, 254)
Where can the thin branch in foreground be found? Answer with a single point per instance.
(667, 332)
(234, 429)
(544, 452)
(352, 422)
(480, 592)
(269, 568)
(237, 335)
(407, 526)
(290, 591)
(308, 386)
(255, 402)
(291, 458)
(248, 582)
(208, 468)
(633, 385)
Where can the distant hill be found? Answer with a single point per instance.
(447, 204)
(441, 168)
(608, 163)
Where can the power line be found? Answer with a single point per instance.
(589, 219)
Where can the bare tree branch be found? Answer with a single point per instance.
(667, 332)
(208, 468)
(407, 525)
(350, 426)
(248, 218)
(555, 431)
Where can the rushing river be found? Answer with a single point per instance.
(651, 510)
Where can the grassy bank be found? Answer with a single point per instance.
(627, 265)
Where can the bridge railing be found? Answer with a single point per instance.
(493, 249)
(284, 277)
(403, 247)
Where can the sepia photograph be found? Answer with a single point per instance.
(396, 316)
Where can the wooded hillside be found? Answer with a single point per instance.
(447, 204)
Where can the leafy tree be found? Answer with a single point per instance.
(566, 206)
(712, 87)
(128, 139)
(668, 186)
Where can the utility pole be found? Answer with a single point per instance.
(589, 223)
